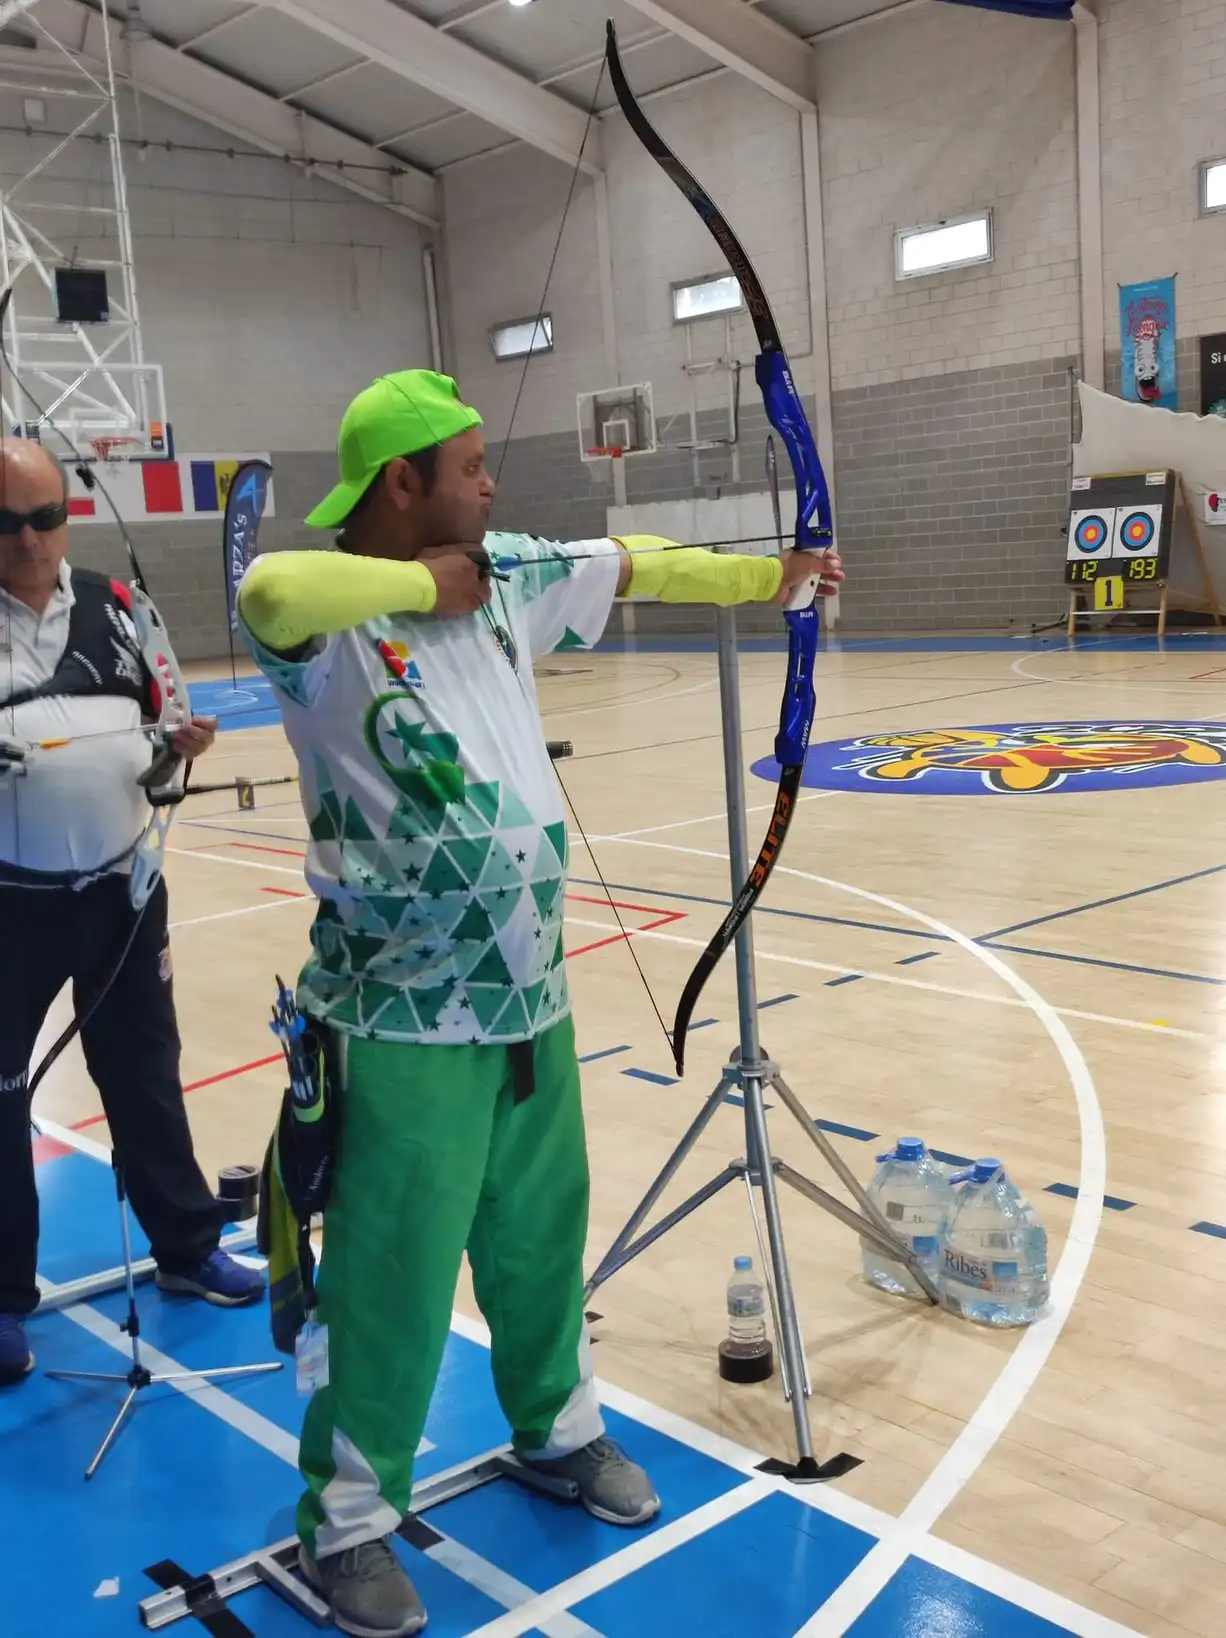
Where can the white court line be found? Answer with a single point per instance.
(894, 979)
(635, 704)
(703, 819)
(1149, 687)
(227, 915)
(243, 864)
(72, 1139)
(978, 1572)
(1019, 1374)
(644, 1550)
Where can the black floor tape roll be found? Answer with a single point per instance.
(238, 1192)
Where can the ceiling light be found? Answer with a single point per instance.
(34, 110)
(521, 2)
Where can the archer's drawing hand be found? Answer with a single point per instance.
(798, 566)
(195, 737)
(461, 588)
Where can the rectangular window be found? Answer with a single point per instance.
(522, 336)
(942, 245)
(704, 298)
(1213, 185)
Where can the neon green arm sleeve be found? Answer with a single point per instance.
(287, 597)
(691, 574)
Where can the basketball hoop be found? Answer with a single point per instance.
(112, 449)
(605, 452)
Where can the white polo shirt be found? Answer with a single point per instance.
(77, 806)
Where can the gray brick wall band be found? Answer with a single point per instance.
(952, 498)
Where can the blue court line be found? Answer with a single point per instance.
(948, 1159)
(703, 1023)
(609, 1052)
(987, 940)
(1099, 904)
(735, 1097)
(650, 1075)
(1069, 1192)
(777, 1001)
(760, 909)
(1216, 1229)
(847, 978)
(1101, 961)
(909, 961)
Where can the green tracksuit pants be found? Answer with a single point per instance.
(436, 1157)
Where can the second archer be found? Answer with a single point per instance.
(438, 853)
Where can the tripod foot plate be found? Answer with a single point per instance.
(810, 1471)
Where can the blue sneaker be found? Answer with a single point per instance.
(218, 1279)
(16, 1360)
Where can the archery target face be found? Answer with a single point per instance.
(1138, 530)
(1089, 534)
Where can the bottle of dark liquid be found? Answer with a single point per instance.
(746, 1355)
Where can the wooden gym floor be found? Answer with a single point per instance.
(1038, 975)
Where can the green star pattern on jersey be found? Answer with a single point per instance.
(415, 949)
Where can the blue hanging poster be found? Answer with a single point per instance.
(1147, 343)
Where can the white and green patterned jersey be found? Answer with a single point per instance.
(437, 832)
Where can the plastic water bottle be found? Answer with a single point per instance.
(912, 1193)
(994, 1265)
(746, 1354)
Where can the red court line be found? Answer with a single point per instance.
(49, 1148)
(260, 847)
(283, 892)
(618, 904)
(616, 938)
(194, 1086)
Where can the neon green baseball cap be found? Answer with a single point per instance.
(396, 415)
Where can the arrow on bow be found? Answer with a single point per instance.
(814, 533)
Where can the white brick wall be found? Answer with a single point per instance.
(930, 115)
(503, 215)
(1163, 68)
(268, 297)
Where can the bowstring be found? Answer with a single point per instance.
(626, 938)
(553, 262)
(506, 447)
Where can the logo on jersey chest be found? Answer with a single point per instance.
(400, 665)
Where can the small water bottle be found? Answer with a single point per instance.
(994, 1265)
(912, 1193)
(746, 1355)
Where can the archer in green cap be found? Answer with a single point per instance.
(396, 417)
(438, 849)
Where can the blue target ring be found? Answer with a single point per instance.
(1137, 531)
(1090, 534)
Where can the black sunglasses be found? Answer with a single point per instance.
(42, 519)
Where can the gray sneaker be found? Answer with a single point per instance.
(367, 1589)
(610, 1485)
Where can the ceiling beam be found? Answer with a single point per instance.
(446, 66)
(743, 39)
(215, 98)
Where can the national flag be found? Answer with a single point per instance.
(211, 482)
(163, 488)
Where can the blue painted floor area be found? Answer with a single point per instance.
(181, 1483)
(763, 1571)
(248, 702)
(924, 1602)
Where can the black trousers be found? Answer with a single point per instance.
(131, 1044)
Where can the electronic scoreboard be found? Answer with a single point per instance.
(1120, 526)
